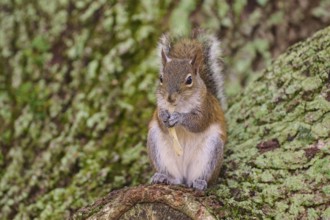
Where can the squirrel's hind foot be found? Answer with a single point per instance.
(161, 178)
(199, 184)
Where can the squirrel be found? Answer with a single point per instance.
(191, 83)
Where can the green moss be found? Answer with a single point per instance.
(271, 193)
(267, 177)
(312, 83)
(326, 189)
(312, 214)
(326, 213)
(295, 183)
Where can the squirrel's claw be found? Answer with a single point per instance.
(199, 184)
(160, 178)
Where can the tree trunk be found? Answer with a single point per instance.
(277, 159)
(77, 89)
(151, 202)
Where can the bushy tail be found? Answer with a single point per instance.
(212, 60)
(213, 54)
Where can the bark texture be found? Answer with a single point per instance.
(278, 157)
(150, 202)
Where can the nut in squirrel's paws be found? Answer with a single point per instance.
(175, 118)
(199, 184)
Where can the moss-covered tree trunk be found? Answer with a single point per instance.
(278, 156)
(77, 82)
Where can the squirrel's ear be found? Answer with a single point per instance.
(193, 60)
(165, 58)
(194, 63)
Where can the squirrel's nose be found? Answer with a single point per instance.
(171, 98)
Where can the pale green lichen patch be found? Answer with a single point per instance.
(311, 83)
(322, 129)
(295, 183)
(289, 181)
(326, 213)
(267, 177)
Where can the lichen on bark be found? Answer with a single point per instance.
(72, 74)
(277, 160)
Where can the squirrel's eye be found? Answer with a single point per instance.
(189, 80)
(161, 79)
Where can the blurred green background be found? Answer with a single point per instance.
(77, 82)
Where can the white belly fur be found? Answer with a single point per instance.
(197, 149)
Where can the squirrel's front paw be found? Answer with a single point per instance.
(160, 178)
(199, 184)
(175, 118)
(164, 115)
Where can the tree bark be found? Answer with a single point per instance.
(278, 155)
(151, 202)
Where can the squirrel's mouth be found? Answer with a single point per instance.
(172, 105)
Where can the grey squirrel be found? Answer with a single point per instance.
(191, 83)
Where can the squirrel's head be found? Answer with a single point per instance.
(179, 80)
